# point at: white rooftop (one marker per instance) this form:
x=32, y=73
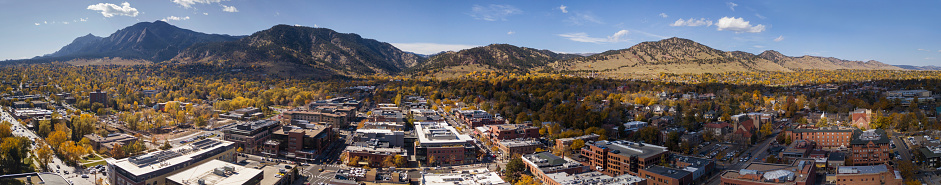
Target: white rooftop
x=439, y=133
x=476, y=177
x=593, y=178
x=180, y=155
x=206, y=172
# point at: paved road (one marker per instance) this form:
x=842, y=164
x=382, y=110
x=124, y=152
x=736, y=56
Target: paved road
x=901, y=146
x=57, y=164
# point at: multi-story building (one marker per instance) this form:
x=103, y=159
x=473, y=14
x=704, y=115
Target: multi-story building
x=659, y=175
x=439, y=143
x=372, y=153
x=217, y=172
x=98, y=97
x=512, y=131
x=389, y=137
x=931, y=154
x=248, y=113
x=155, y=167
x=797, y=149
x=338, y=101
x=593, y=178
x=825, y=137
x=395, y=126
x=300, y=144
x=799, y=172
x=717, y=129
x=518, y=147
x=477, y=118
x=250, y=136
x=616, y=158
x=870, y=147
x=907, y=96
x=565, y=143
x=386, y=115
x=882, y=174
x=633, y=126
x=338, y=119
x=699, y=167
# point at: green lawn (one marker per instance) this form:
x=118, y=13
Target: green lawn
x=93, y=158
x=95, y=164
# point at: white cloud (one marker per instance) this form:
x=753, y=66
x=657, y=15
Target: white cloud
x=692, y=22
x=563, y=8
x=430, y=48
x=758, y=46
x=582, y=18
x=510, y=33
x=919, y=49
x=175, y=18
x=44, y=22
x=190, y=3
x=731, y=5
x=619, y=36
x=738, y=25
x=760, y=16
x=37, y=24
x=204, y=13
x=929, y=58
x=779, y=39
x=664, y=15
x=110, y=10
x=83, y=19
x=939, y=51
x=229, y=9
x=493, y=12
x=66, y=22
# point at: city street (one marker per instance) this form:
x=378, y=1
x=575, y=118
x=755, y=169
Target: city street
x=57, y=164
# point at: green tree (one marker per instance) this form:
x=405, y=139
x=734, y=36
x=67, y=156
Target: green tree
x=514, y=168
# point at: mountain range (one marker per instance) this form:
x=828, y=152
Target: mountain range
x=296, y=51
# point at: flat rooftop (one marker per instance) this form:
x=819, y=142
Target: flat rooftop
x=669, y=172
x=158, y=160
x=861, y=169
x=232, y=174
x=480, y=176
x=593, y=178
x=546, y=161
x=761, y=170
x=439, y=133
x=519, y=143
x=627, y=148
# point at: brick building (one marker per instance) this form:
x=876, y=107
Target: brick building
x=566, y=143
x=658, y=175
x=616, y=158
x=250, y=136
x=540, y=164
x=799, y=172
x=439, y=143
x=870, y=147
x=866, y=175
x=825, y=137
x=518, y=146
x=861, y=118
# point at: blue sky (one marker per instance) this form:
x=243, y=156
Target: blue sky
x=893, y=32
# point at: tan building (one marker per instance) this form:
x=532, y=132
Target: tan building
x=155, y=167
x=565, y=143
x=518, y=147
x=866, y=175
x=658, y=175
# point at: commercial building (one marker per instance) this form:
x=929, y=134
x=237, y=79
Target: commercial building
x=106, y=143
x=154, y=167
x=518, y=147
x=338, y=101
x=699, y=167
x=861, y=118
x=395, y=126
x=217, y=172
x=633, y=126
x=372, y=154
x=566, y=143
x=473, y=177
x=389, y=137
x=543, y=163
x=825, y=137
x=477, y=118
x=300, y=144
x=866, y=175
x=931, y=154
x=907, y=96
x=512, y=131
x=386, y=115
x=616, y=158
x=594, y=178
x=870, y=147
x=797, y=149
x=338, y=119
x=251, y=136
x=439, y=143
x=248, y=113
x=800, y=172
x=658, y=175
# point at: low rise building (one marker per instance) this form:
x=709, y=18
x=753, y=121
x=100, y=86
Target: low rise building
x=473, y=177
x=248, y=113
x=658, y=175
x=797, y=149
x=389, y=137
x=106, y=143
x=299, y=144
x=518, y=147
x=372, y=154
x=633, y=126
x=799, y=172
x=513, y=131
x=543, y=163
x=931, y=154
x=825, y=138
x=338, y=119
x=616, y=158
x=154, y=167
x=870, y=147
x=857, y=175
x=593, y=178
x=217, y=172
x=566, y=143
